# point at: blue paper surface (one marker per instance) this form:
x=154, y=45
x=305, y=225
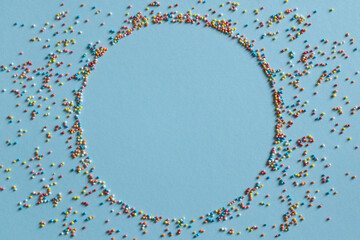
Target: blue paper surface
x=179, y=120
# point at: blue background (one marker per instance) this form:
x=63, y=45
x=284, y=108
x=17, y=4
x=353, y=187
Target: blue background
x=179, y=120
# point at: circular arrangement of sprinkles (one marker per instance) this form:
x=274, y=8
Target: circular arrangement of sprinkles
x=33, y=92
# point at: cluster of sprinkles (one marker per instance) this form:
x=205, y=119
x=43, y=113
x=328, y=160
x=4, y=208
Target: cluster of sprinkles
x=42, y=82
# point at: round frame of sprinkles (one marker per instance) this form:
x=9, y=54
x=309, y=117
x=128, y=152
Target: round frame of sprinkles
x=140, y=21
